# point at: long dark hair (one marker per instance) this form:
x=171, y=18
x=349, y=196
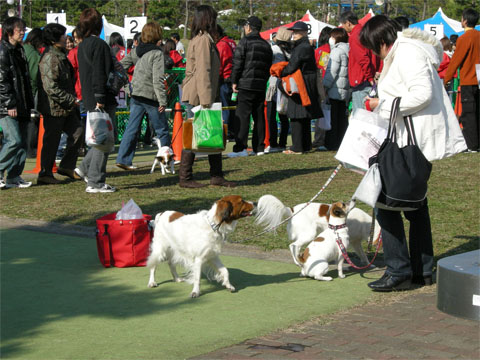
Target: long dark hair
x=204, y=20
x=35, y=38
x=324, y=35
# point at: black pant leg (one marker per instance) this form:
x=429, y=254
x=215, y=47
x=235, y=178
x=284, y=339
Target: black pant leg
x=470, y=117
x=74, y=130
x=242, y=120
x=53, y=126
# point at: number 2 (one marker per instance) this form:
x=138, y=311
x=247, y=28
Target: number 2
x=132, y=30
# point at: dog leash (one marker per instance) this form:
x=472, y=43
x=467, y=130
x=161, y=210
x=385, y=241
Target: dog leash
x=335, y=172
x=347, y=258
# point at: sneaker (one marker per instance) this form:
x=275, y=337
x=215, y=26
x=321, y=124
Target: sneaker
x=19, y=183
x=267, y=149
x=238, y=154
x=260, y=153
x=80, y=174
x=2, y=183
x=126, y=167
x=275, y=149
x=68, y=173
x=104, y=189
x=322, y=148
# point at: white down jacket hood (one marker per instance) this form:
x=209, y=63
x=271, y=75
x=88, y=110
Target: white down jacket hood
x=410, y=72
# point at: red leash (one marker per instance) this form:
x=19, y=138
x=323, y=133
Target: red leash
x=345, y=254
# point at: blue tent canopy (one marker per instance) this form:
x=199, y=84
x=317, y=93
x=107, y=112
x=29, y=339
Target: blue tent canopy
x=437, y=19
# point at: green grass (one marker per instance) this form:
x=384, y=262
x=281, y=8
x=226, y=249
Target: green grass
x=58, y=302
x=453, y=194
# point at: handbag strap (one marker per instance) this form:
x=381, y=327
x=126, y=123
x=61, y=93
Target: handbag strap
x=392, y=128
x=392, y=133
x=106, y=245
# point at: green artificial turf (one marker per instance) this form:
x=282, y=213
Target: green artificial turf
x=58, y=302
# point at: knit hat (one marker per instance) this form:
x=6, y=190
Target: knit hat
x=283, y=34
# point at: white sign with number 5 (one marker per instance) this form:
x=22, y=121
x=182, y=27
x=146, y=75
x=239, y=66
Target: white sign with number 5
x=133, y=25
x=434, y=29
x=58, y=18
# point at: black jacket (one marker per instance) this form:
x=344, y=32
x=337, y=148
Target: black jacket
x=251, y=63
x=15, y=86
x=94, y=64
x=303, y=58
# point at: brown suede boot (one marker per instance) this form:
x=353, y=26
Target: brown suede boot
x=220, y=181
x=185, y=171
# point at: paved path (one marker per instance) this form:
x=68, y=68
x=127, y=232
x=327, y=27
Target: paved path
x=407, y=328
x=403, y=325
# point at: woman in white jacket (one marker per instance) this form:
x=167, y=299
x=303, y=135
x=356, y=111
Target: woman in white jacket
x=337, y=86
x=411, y=59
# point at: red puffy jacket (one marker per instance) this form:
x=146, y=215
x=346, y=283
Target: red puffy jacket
x=226, y=48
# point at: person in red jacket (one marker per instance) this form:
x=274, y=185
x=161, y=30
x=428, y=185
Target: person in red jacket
x=322, y=53
x=447, y=54
x=226, y=47
x=362, y=63
x=73, y=58
x=467, y=58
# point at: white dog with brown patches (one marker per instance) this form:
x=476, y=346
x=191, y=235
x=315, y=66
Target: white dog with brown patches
x=324, y=249
x=303, y=227
x=195, y=241
x=164, y=158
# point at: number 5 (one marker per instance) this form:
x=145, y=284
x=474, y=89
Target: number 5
x=433, y=29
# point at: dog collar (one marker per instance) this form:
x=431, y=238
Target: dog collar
x=214, y=226
x=337, y=227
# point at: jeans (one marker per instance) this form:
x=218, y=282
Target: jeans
x=14, y=150
x=129, y=140
x=358, y=95
x=94, y=164
x=398, y=260
x=227, y=115
x=250, y=103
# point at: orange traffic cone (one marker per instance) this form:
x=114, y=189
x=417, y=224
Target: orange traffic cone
x=267, y=129
x=177, y=134
x=38, y=164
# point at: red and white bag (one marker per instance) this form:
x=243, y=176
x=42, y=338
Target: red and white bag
x=123, y=243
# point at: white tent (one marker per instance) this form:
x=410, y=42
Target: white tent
x=108, y=29
x=315, y=26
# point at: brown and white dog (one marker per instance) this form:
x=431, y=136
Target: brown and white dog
x=304, y=227
x=195, y=241
x=324, y=249
x=164, y=157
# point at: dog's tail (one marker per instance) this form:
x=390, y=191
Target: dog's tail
x=271, y=211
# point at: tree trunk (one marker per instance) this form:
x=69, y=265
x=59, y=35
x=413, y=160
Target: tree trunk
x=186, y=20
x=424, y=9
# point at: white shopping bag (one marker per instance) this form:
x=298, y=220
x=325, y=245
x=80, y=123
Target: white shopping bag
x=369, y=188
x=365, y=134
x=99, y=131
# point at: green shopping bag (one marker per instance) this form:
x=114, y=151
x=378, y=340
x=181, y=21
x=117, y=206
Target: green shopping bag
x=208, y=129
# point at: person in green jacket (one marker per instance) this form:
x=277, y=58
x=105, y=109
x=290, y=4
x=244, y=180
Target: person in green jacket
x=32, y=46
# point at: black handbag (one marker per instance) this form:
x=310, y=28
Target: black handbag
x=404, y=172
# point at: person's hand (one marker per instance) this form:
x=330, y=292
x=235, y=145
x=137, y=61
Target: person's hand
x=12, y=112
x=100, y=106
x=206, y=106
x=161, y=109
x=371, y=103
x=234, y=87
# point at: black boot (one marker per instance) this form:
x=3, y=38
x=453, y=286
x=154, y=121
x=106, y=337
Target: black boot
x=216, y=172
x=185, y=172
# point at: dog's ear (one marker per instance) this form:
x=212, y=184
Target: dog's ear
x=224, y=210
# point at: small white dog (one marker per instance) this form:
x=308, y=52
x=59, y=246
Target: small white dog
x=195, y=241
x=312, y=220
x=164, y=157
x=324, y=249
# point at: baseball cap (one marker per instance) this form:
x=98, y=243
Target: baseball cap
x=299, y=26
x=254, y=22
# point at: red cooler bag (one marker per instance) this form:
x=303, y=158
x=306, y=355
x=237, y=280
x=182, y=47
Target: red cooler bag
x=123, y=243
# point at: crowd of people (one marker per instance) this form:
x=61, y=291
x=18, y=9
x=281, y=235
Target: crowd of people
x=61, y=76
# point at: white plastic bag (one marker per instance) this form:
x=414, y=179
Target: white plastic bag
x=282, y=102
x=129, y=211
x=99, y=131
x=363, y=138
x=369, y=188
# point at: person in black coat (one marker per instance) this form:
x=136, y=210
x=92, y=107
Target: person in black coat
x=302, y=58
x=16, y=101
x=251, y=69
